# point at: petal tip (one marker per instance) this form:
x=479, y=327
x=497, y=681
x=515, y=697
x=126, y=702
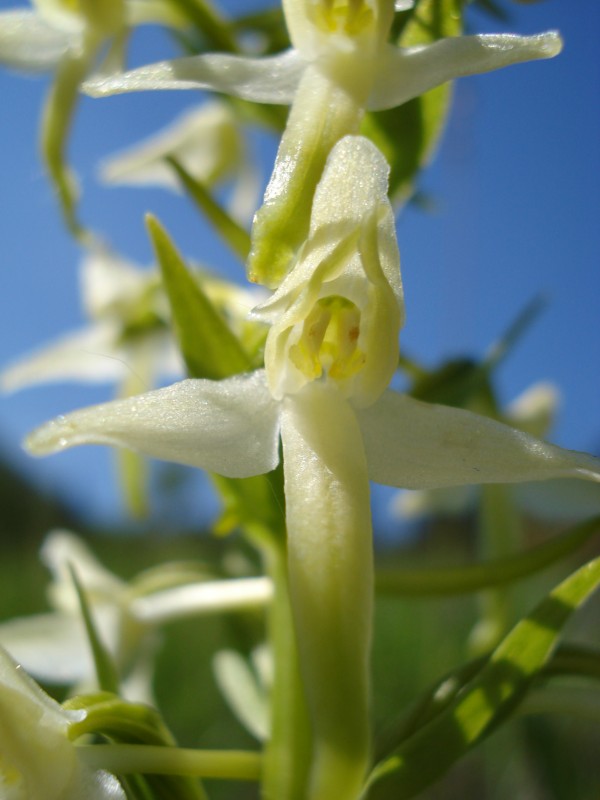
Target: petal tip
x=551, y=44
x=47, y=439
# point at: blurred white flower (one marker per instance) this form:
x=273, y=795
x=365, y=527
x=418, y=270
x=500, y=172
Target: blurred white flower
x=127, y=340
x=68, y=37
x=37, y=758
x=208, y=143
x=53, y=647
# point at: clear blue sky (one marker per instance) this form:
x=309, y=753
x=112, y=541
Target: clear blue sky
x=516, y=189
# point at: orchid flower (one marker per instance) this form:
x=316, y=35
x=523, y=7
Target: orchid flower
x=37, y=758
x=66, y=37
x=330, y=354
x=126, y=341
x=53, y=647
x=340, y=65
x=207, y=142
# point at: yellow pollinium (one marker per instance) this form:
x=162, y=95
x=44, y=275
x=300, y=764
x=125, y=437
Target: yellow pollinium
x=350, y=17
x=329, y=341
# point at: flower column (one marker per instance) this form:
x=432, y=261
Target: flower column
x=333, y=344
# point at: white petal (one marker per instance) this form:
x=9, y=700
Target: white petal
x=534, y=411
x=51, y=647
x=206, y=141
x=90, y=354
x=208, y=597
x=407, y=73
x=230, y=427
x=418, y=445
x=244, y=695
x=272, y=79
x=62, y=551
x=111, y=285
x=28, y=42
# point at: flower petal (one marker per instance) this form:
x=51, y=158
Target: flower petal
x=230, y=427
x=27, y=42
x=206, y=140
x=408, y=73
x=90, y=354
x=417, y=445
x=208, y=597
x=51, y=647
x=271, y=79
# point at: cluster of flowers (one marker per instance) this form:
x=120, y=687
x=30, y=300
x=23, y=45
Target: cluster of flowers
x=324, y=243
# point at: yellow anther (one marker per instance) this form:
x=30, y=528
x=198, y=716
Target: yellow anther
x=329, y=339
x=350, y=17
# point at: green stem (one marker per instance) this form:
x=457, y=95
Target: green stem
x=238, y=765
x=577, y=701
x=287, y=755
x=499, y=532
x=233, y=234
x=56, y=124
x=475, y=577
x=207, y=19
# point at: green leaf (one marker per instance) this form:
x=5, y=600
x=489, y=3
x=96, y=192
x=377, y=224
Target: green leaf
x=408, y=135
x=568, y=661
x=487, y=699
x=234, y=235
x=209, y=347
x=106, y=672
x=475, y=577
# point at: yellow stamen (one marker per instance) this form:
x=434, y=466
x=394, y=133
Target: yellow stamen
x=350, y=17
x=328, y=342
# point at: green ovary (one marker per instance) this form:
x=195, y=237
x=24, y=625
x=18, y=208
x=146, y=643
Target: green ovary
x=329, y=341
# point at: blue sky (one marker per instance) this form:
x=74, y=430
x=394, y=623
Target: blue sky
x=515, y=187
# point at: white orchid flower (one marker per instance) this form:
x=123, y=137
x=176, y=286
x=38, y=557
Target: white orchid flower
x=36, y=39
x=330, y=355
x=340, y=64
x=67, y=37
x=54, y=647
x=208, y=143
x=127, y=340
x=37, y=758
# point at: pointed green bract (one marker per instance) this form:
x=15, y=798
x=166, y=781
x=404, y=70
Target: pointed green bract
x=106, y=671
x=209, y=347
x=492, y=694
